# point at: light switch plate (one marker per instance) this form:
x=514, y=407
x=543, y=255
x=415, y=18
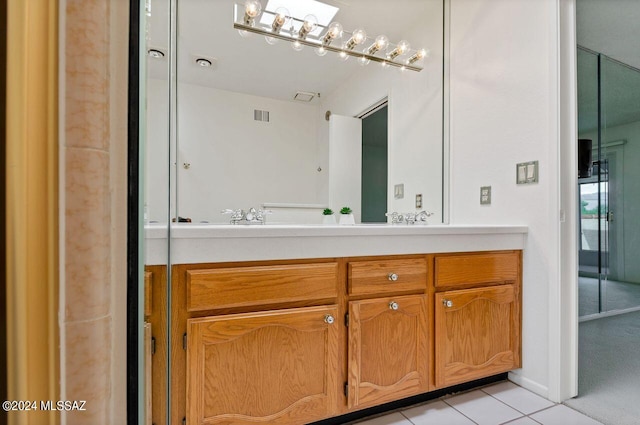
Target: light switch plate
x=398, y=191
x=527, y=172
x=485, y=195
x=419, y=201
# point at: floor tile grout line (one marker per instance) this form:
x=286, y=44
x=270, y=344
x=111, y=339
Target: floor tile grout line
x=453, y=407
x=407, y=418
x=515, y=408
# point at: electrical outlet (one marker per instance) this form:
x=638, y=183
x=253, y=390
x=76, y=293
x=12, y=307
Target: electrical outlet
x=398, y=191
x=419, y=201
x=485, y=195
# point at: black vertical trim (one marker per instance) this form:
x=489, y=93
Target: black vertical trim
x=133, y=197
x=3, y=203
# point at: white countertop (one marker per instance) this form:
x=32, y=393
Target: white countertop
x=206, y=243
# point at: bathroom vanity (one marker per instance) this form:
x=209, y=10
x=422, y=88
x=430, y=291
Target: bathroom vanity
x=293, y=324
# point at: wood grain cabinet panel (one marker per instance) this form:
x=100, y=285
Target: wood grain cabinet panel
x=387, y=276
x=210, y=289
x=481, y=268
x=277, y=367
x=477, y=333
x=388, y=349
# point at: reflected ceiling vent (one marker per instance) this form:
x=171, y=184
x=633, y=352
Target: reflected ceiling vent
x=304, y=96
x=259, y=115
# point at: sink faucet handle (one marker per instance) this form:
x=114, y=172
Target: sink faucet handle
x=395, y=217
x=261, y=215
x=422, y=215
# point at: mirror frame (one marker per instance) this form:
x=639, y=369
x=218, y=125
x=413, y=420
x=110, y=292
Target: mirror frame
x=134, y=228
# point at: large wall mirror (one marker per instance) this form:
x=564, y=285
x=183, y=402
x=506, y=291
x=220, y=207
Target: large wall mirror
x=236, y=115
x=260, y=124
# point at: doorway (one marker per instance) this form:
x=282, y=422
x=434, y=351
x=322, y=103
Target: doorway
x=375, y=160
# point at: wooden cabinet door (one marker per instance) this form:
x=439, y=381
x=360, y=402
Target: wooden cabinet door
x=477, y=333
x=388, y=349
x=277, y=367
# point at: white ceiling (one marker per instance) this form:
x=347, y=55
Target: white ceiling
x=250, y=65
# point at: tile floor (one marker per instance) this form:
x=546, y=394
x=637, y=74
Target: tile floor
x=501, y=403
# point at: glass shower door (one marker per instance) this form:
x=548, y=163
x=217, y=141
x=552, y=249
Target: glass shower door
x=609, y=116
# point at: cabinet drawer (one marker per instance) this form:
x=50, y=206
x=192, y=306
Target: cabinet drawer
x=470, y=269
x=386, y=276
x=260, y=285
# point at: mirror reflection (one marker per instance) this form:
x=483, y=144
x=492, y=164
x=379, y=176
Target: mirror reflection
x=268, y=123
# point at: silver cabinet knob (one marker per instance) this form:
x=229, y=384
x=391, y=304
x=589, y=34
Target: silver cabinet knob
x=392, y=277
x=447, y=303
x=393, y=305
x=328, y=319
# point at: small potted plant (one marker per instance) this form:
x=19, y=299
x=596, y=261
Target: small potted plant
x=327, y=217
x=346, y=216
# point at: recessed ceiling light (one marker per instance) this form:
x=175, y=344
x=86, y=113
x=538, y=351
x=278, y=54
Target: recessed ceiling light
x=205, y=63
x=155, y=53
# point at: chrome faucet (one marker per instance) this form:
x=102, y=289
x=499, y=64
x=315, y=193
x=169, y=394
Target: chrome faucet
x=251, y=216
x=409, y=218
x=423, y=215
x=236, y=215
x=396, y=218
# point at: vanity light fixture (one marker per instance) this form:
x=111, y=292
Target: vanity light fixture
x=401, y=49
x=420, y=54
x=309, y=24
x=280, y=25
x=357, y=37
x=252, y=8
x=280, y=19
x=334, y=31
x=381, y=43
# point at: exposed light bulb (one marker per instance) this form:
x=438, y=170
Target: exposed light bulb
x=420, y=54
x=333, y=31
x=381, y=43
x=357, y=37
x=401, y=49
x=321, y=51
x=252, y=8
x=384, y=64
x=281, y=18
x=343, y=56
x=297, y=46
x=310, y=23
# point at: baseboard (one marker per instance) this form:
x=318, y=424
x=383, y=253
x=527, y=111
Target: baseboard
x=529, y=384
x=607, y=314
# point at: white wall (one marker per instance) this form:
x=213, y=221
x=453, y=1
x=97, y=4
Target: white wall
x=415, y=116
x=237, y=162
x=504, y=110
x=156, y=175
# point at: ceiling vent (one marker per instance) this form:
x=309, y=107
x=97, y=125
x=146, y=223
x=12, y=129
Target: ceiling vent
x=304, y=96
x=259, y=115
